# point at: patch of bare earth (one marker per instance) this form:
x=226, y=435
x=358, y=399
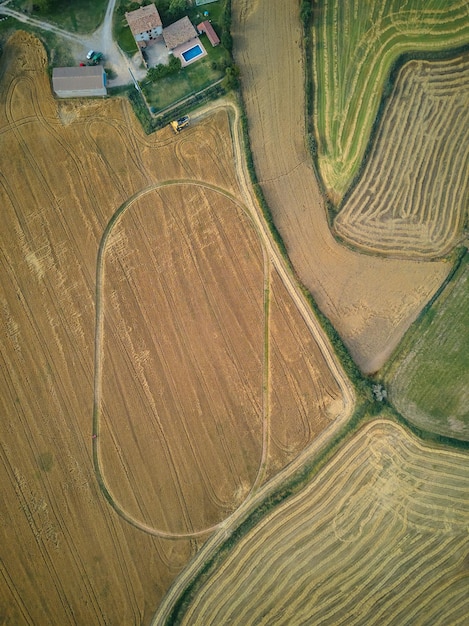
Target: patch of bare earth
x=371, y=301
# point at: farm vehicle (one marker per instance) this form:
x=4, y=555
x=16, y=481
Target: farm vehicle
x=93, y=58
x=178, y=125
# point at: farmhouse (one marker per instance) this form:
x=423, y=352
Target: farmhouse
x=74, y=82
x=207, y=28
x=145, y=24
x=182, y=41
x=179, y=33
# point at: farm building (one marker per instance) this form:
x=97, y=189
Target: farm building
x=179, y=33
x=182, y=41
x=145, y=24
x=207, y=28
x=74, y=82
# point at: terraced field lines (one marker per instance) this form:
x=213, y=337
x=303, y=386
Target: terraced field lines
x=385, y=522
x=411, y=199
x=355, y=48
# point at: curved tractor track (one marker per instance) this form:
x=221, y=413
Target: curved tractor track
x=98, y=367
x=271, y=255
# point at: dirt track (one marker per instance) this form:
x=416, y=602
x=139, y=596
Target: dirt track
x=371, y=301
x=101, y=39
x=297, y=298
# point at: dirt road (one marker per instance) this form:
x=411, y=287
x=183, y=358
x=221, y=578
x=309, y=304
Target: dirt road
x=370, y=300
x=101, y=40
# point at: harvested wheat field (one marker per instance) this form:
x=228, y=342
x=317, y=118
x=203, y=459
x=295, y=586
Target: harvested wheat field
x=411, y=199
x=196, y=338
x=355, y=46
x=379, y=536
x=370, y=301
x=95, y=228
x=183, y=348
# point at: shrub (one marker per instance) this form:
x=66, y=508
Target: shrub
x=160, y=71
x=231, y=80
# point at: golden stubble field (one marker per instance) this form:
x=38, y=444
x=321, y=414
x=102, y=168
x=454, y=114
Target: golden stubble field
x=206, y=380
x=378, y=536
x=371, y=301
x=411, y=200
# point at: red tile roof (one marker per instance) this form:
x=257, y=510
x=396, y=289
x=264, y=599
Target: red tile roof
x=207, y=28
x=178, y=33
x=143, y=19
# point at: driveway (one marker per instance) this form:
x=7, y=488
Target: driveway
x=101, y=39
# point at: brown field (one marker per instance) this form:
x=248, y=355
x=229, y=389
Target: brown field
x=66, y=168
x=182, y=372
x=379, y=536
x=370, y=301
x=412, y=197
x=193, y=334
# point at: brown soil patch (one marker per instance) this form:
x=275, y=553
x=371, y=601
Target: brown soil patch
x=65, y=168
x=371, y=301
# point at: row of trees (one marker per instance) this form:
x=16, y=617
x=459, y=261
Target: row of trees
x=169, y=10
x=44, y=6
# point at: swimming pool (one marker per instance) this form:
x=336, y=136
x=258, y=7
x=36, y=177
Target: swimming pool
x=192, y=53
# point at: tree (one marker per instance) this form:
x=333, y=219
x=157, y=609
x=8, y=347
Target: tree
x=231, y=80
x=177, y=9
x=42, y=6
x=227, y=41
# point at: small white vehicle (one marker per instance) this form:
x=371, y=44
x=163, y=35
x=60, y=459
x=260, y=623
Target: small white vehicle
x=90, y=54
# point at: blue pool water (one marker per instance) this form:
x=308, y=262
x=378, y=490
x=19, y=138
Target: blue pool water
x=192, y=53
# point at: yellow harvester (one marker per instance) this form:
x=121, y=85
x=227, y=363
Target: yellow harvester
x=178, y=125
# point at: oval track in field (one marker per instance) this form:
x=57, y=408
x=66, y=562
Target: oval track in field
x=172, y=354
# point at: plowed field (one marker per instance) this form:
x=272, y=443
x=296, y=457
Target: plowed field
x=137, y=303
x=370, y=301
x=378, y=537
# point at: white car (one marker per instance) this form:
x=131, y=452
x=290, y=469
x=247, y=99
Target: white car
x=90, y=54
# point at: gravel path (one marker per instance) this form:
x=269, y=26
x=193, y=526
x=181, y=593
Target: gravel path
x=101, y=40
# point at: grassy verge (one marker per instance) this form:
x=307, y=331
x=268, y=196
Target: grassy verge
x=151, y=124
x=188, y=80
x=79, y=16
x=427, y=376
x=120, y=29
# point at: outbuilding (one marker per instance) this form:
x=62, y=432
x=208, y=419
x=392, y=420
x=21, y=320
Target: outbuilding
x=207, y=28
x=75, y=82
